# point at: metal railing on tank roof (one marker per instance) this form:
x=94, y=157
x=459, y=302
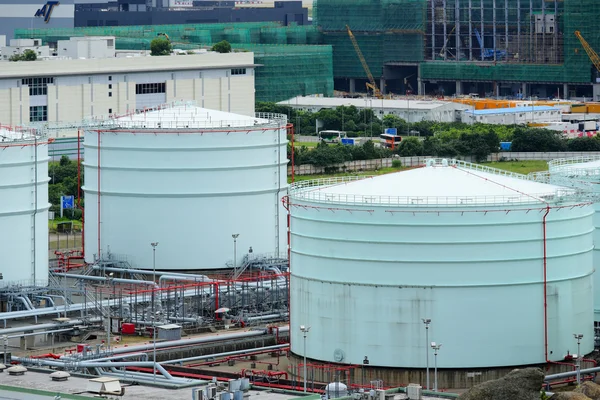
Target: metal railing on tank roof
x=311, y=191
x=571, y=167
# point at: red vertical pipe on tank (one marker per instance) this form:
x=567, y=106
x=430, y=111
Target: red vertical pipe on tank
x=98, y=133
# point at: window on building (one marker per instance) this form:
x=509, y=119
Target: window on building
x=38, y=113
x=110, y=110
x=149, y=88
x=110, y=86
x=110, y=78
x=238, y=71
x=109, y=94
x=37, y=86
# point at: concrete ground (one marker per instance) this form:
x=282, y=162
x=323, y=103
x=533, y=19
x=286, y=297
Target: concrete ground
x=78, y=386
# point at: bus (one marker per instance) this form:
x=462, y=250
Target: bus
x=389, y=140
x=332, y=136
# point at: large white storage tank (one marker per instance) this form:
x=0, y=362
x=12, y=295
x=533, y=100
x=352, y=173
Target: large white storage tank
x=583, y=173
x=188, y=178
x=500, y=264
x=23, y=207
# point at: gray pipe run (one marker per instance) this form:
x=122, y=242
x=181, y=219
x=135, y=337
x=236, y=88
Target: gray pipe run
x=139, y=271
x=93, y=364
x=50, y=300
x=40, y=333
x=103, y=279
x=47, y=326
x=144, y=357
x=265, y=317
x=229, y=353
x=189, y=342
x=188, y=278
x=553, y=377
x=25, y=303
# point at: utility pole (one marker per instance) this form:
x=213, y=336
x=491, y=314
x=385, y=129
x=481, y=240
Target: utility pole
x=154, y=244
x=427, y=321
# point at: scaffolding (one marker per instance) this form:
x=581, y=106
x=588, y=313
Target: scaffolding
x=386, y=31
x=291, y=70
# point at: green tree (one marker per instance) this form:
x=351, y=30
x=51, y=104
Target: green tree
x=584, y=144
x=222, y=47
x=411, y=146
x=27, y=55
x=160, y=47
x=533, y=139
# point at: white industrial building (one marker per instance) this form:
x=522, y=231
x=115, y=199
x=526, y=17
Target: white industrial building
x=407, y=109
x=71, y=90
x=18, y=47
x=87, y=47
x=23, y=207
x=514, y=115
x=190, y=179
x=471, y=249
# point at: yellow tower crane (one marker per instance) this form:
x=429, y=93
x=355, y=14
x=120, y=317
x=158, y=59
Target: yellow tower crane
x=371, y=84
x=588, y=49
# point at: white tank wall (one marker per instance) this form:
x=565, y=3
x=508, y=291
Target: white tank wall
x=189, y=192
x=23, y=226
x=577, y=172
x=364, y=280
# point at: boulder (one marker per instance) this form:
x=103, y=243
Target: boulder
x=590, y=389
x=521, y=384
x=569, y=396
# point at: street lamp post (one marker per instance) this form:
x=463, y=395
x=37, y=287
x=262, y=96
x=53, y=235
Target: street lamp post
x=427, y=321
x=304, y=330
x=235, y=236
x=578, y=336
x=435, y=346
x=153, y=244
x=109, y=282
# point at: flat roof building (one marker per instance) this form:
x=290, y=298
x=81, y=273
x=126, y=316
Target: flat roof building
x=407, y=109
x=73, y=90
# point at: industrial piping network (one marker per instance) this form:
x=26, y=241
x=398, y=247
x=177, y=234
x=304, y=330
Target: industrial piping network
x=280, y=282
x=135, y=351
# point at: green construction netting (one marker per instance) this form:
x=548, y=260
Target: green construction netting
x=291, y=70
x=287, y=70
x=386, y=31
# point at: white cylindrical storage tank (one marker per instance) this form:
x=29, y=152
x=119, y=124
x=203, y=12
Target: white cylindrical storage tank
x=23, y=207
x=190, y=179
x=583, y=173
x=502, y=266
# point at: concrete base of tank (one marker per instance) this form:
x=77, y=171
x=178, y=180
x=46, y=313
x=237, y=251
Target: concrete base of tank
x=318, y=371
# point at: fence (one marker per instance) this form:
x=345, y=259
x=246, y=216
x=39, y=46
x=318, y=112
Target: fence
x=371, y=165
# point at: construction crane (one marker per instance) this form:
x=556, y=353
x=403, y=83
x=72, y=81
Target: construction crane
x=165, y=35
x=588, y=49
x=371, y=84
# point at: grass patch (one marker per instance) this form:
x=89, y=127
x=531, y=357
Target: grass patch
x=310, y=145
x=53, y=223
x=521, y=167
x=380, y=171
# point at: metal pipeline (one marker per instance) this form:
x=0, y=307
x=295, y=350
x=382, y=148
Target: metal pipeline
x=229, y=353
x=189, y=342
x=144, y=357
x=40, y=333
x=552, y=377
x=25, y=303
x=188, y=278
x=103, y=279
x=50, y=300
x=47, y=326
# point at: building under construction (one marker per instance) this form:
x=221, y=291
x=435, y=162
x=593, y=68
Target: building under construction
x=516, y=48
